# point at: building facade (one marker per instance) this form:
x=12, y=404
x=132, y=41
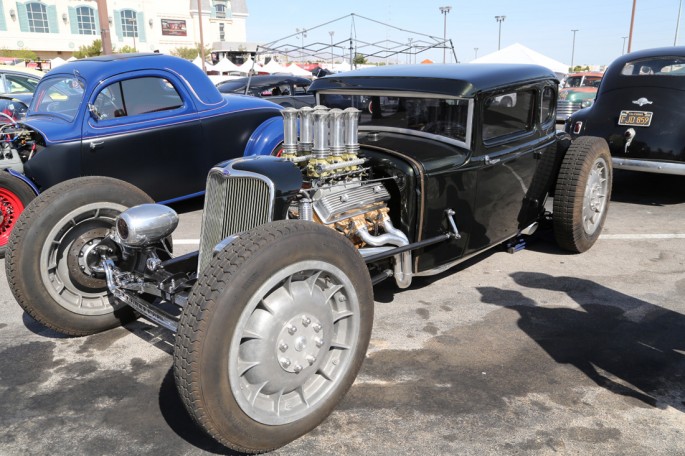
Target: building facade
x=54, y=28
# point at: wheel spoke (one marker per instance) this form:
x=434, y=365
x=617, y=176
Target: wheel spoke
x=340, y=315
x=331, y=291
x=340, y=346
x=311, y=281
x=244, y=366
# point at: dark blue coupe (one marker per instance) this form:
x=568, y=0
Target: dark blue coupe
x=149, y=119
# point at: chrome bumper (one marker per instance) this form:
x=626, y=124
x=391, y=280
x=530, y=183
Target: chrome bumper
x=649, y=166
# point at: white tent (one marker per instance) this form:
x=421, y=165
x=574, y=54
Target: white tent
x=57, y=61
x=198, y=62
x=274, y=67
x=225, y=65
x=518, y=53
x=71, y=59
x=296, y=70
x=248, y=65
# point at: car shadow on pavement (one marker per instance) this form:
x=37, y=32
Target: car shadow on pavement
x=626, y=345
x=648, y=189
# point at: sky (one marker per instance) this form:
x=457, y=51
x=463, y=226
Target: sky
x=542, y=25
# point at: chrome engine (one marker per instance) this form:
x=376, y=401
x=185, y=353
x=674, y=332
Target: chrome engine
x=338, y=191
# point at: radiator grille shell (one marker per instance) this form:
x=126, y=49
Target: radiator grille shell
x=235, y=201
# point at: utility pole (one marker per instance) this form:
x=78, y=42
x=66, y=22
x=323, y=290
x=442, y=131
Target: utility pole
x=202, y=40
x=105, y=36
x=444, y=10
x=573, y=47
x=500, y=19
x=632, y=22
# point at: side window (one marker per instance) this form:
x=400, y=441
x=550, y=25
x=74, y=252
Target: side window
x=21, y=84
x=547, y=106
x=508, y=114
x=150, y=94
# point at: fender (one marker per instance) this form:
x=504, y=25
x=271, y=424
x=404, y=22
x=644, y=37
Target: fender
x=22, y=177
x=266, y=138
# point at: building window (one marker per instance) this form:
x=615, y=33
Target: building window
x=220, y=10
x=129, y=23
x=38, y=18
x=86, y=20
x=222, y=32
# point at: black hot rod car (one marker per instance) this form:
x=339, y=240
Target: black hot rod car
x=273, y=314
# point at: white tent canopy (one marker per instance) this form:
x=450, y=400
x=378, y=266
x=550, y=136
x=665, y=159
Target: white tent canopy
x=248, y=65
x=518, y=53
x=57, y=61
x=298, y=71
x=198, y=62
x=225, y=65
x=274, y=67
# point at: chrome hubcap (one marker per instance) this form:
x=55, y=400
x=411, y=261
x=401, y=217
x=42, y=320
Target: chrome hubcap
x=595, y=198
x=294, y=342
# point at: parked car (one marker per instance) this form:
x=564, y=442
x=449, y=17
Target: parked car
x=16, y=80
x=153, y=120
x=577, y=92
x=639, y=111
x=273, y=314
x=286, y=90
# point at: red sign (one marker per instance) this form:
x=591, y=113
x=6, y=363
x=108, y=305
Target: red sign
x=174, y=27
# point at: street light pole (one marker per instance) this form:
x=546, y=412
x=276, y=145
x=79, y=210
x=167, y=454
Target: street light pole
x=573, y=47
x=500, y=19
x=411, y=49
x=444, y=10
x=303, y=35
x=623, y=49
x=677, y=24
x=331, y=33
x=134, y=30
x=476, y=51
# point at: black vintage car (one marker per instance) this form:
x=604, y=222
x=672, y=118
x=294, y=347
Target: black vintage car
x=638, y=111
x=273, y=314
x=285, y=90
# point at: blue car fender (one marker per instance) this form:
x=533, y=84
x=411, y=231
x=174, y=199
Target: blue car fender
x=22, y=177
x=266, y=138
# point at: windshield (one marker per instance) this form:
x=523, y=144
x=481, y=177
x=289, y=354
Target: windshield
x=445, y=117
x=59, y=95
x=582, y=81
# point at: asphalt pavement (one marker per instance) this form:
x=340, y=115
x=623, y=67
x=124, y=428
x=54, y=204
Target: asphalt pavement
x=536, y=353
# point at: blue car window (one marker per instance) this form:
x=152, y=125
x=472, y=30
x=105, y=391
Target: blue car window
x=149, y=94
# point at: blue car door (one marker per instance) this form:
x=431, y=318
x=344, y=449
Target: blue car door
x=142, y=128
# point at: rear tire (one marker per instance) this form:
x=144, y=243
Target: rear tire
x=15, y=195
x=51, y=269
x=582, y=194
x=273, y=335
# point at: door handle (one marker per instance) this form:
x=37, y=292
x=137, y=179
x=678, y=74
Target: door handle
x=490, y=161
x=96, y=144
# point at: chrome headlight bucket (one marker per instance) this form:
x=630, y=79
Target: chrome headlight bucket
x=145, y=224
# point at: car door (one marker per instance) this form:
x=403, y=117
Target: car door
x=511, y=145
x=143, y=128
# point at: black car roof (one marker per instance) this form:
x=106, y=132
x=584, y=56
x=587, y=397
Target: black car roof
x=462, y=80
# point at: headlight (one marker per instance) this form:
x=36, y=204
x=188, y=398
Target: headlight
x=587, y=103
x=145, y=224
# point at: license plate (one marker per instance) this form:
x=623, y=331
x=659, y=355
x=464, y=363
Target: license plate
x=635, y=118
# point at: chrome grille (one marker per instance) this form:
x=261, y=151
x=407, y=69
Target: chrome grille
x=566, y=108
x=234, y=202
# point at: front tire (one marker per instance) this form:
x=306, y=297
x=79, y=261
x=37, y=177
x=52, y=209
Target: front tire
x=51, y=267
x=274, y=334
x=582, y=194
